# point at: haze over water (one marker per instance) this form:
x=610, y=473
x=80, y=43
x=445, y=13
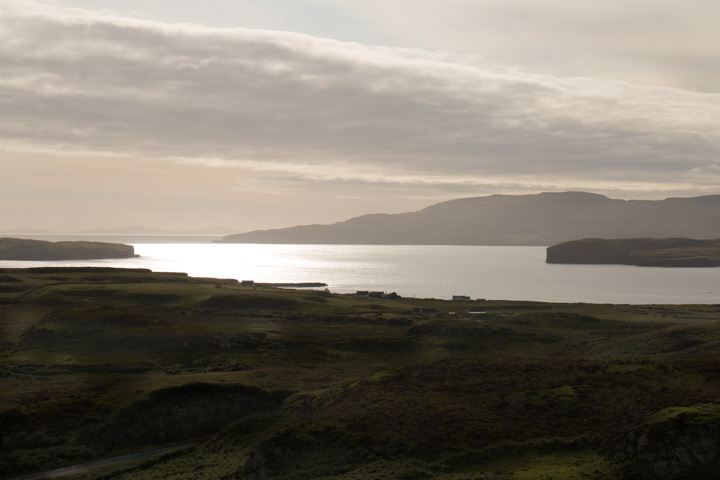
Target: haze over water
x=511, y=273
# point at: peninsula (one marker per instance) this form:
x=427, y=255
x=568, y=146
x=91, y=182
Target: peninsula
x=40, y=250
x=642, y=252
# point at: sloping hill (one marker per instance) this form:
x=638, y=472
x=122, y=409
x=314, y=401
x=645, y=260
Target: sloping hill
x=643, y=252
x=24, y=249
x=540, y=219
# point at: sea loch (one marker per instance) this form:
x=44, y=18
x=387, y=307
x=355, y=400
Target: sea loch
x=510, y=273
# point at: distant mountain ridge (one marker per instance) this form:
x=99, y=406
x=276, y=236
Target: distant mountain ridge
x=133, y=230
x=140, y=230
x=538, y=219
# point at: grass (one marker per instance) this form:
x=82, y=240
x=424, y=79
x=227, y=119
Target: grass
x=98, y=362
x=695, y=414
x=559, y=465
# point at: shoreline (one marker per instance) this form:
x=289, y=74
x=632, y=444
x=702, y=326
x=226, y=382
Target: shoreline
x=515, y=273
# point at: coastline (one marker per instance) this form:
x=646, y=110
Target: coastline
x=512, y=273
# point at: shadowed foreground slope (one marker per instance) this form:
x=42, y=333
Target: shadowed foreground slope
x=308, y=385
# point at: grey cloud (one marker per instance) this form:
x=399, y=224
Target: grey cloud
x=712, y=169
x=657, y=42
x=77, y=81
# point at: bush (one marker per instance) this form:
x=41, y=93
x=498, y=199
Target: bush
x=38, y=439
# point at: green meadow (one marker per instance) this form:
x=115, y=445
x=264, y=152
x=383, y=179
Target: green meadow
x=262, y=382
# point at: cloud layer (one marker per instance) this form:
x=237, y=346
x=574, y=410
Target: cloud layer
x=300, y=110
x=656, y=42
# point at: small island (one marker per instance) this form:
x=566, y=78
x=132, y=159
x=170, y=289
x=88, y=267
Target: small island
x=641, y=252
x=41, y=250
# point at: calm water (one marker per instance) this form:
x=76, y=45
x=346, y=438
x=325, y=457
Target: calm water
x=511, y=273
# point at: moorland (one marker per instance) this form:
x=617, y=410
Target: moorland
x=261, y=382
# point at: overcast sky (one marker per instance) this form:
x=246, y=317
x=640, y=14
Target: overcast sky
x=182, y=114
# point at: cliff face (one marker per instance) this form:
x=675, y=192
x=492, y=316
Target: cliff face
x=22, y=249
x=644, y=252
x=672, y=450
x=541, y=219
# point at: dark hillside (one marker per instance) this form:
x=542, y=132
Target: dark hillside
x=541, y=219
x=644, y=252
x=23, y=249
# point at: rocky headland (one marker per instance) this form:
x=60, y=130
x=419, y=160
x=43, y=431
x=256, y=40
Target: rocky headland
x=642, y=252
x=40, y=250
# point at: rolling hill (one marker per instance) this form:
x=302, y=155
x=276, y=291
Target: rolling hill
x=538, y=219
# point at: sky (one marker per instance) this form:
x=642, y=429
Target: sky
x=180, y=114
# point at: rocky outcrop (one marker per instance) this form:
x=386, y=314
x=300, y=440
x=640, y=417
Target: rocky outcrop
x=270, y=456
x=183, y=412
x=673, y=451
x=40, y=250
x=643, y=252
x=320, y=451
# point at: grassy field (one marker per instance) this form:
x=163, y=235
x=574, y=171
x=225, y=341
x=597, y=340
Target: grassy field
x=292, y=384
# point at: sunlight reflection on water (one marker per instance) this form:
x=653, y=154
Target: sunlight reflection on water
x=512, y=273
